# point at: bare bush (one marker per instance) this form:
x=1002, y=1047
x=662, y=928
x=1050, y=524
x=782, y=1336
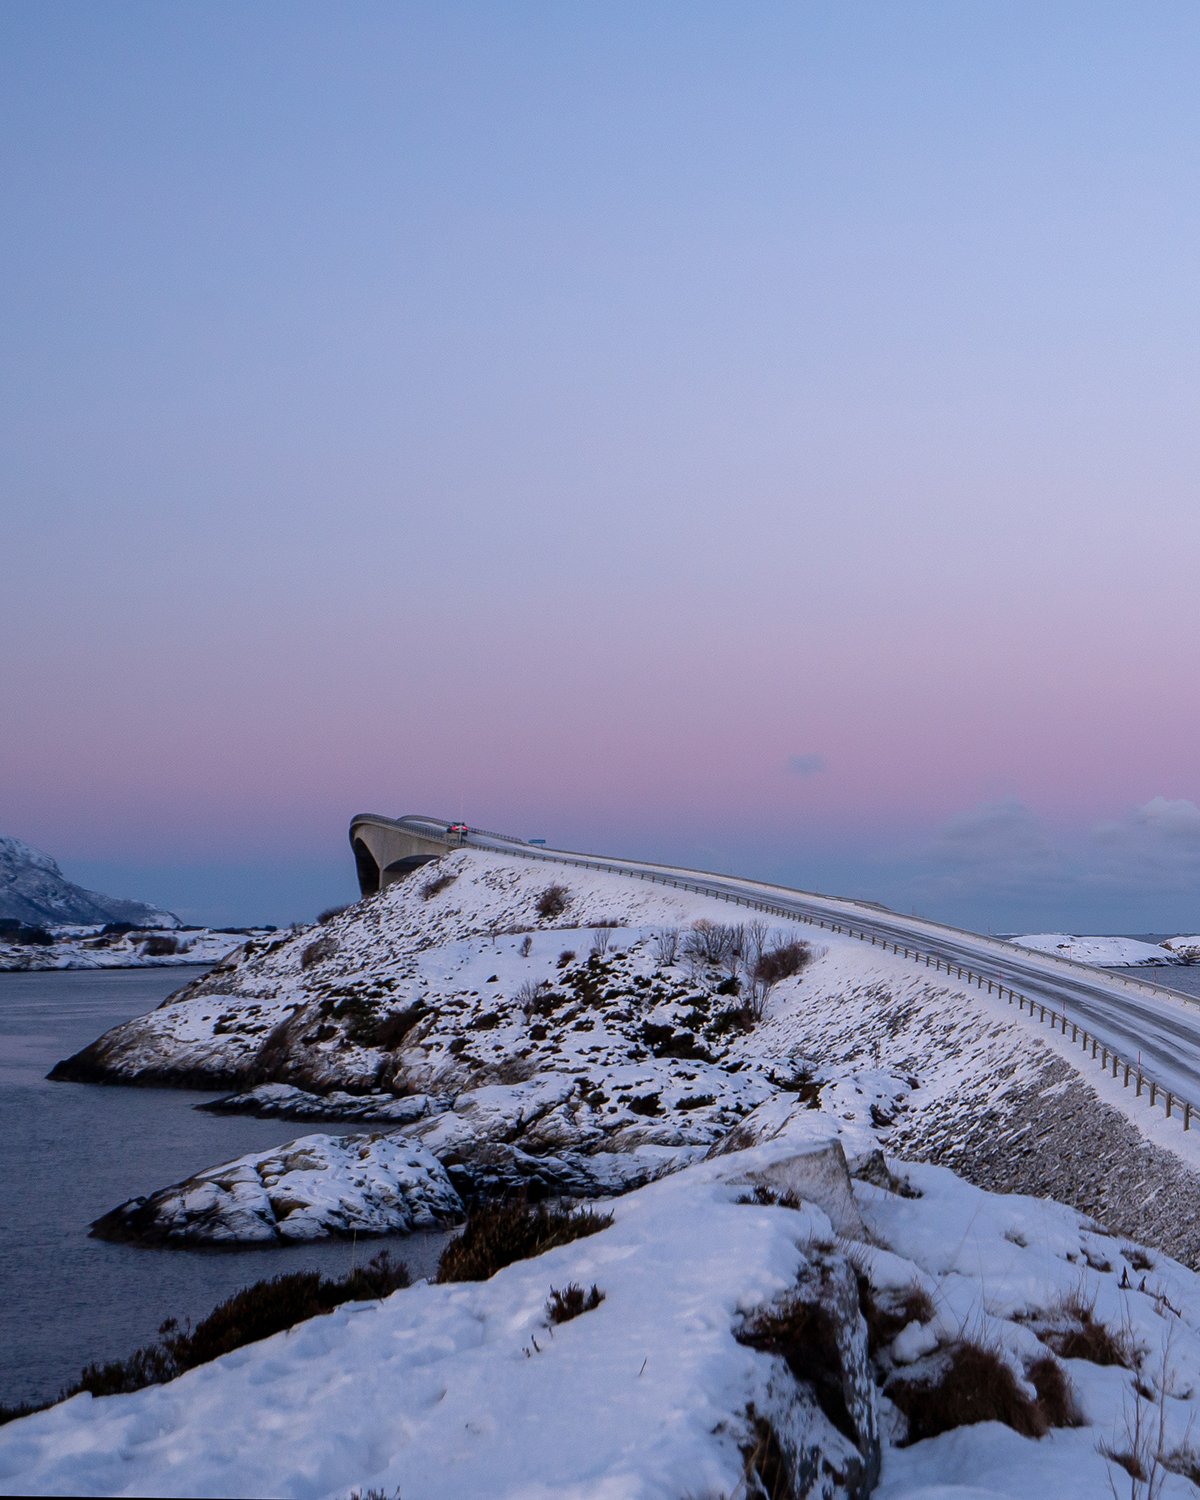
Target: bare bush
x=529, y=992
x=526, y=947
x=329, y=913
x=754, y=943
x=438, y=883
x=600, y=941
x=709, y=943
x=665, y=945
x=553, y=901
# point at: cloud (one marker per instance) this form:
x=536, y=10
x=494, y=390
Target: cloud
x=805, y=764
x=1004, y=853
x=1001, y=865
x=1178, y=819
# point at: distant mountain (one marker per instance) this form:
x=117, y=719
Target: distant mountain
x=34, y=890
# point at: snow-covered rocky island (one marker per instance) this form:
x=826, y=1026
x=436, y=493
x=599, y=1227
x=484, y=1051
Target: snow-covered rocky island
x=116, y=945
x=826, y=1258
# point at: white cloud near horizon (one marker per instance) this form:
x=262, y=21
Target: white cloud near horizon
x=1001, y=855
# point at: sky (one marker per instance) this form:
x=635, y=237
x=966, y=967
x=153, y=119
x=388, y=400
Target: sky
x=758, y=437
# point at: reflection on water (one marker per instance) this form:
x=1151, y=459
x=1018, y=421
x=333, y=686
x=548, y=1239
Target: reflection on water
x=69, y=1152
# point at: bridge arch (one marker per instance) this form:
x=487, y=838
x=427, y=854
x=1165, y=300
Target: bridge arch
x=389, y=849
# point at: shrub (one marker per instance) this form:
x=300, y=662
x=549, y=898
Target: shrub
x=601, y=938
x=499, y=1234
x=736, y=1018
x=566, y=957
x=526, y=947
x=781, y=962
x=553, y=901
x=571, y=1301
x=159, y=945
x=329, y=913
x=665, y=945
x=530, y=995
x=436, y=884
x=388, y=1031
x=317, y=952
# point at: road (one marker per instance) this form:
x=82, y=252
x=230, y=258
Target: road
x=1136, y=1019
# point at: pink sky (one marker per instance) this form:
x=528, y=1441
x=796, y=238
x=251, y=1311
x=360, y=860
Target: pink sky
x=571, y=418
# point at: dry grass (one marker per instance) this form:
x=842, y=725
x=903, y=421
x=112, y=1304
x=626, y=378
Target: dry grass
x=974, y=1384
x=499, y=1234
x=571, y=1301
x=1072, y=1330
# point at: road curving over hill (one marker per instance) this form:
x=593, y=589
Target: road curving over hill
x=1137, y=1027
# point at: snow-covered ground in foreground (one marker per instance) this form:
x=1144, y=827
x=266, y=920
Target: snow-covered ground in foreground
x=143, y=948
x=466, y=1390
x=1104, y=952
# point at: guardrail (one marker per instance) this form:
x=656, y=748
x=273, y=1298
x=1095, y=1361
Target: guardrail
x=1108, y=1057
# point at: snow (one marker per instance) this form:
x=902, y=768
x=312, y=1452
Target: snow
x=33, y=890
x=502, y=1051
x=444, y=1391
x=1105, y=952
x=316, y=1186
x=79, y=946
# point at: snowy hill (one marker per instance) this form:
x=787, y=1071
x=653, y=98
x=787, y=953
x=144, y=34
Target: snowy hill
x=794, y=1284
x=33, y=890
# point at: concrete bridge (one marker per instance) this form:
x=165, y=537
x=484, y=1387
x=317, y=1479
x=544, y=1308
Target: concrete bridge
x=388, y=849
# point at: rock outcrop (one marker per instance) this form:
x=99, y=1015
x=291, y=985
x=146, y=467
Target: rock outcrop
x=312, y=1188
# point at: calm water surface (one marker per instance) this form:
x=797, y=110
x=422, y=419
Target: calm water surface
x=69, y=1152
x=1184, y=979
